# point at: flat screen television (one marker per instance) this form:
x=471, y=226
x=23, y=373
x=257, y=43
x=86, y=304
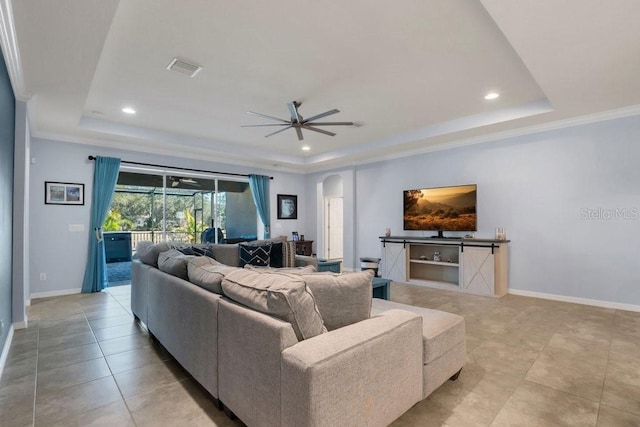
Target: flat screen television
x=441, y=209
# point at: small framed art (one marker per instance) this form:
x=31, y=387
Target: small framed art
x=63, y=193
x=287, y=206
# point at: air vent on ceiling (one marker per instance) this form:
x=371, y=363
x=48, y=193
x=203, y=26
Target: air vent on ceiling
x=182, y=66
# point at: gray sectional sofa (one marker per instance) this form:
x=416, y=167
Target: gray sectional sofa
x=288, y=347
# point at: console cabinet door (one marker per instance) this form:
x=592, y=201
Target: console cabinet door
x=394, y=262
x=478, y=272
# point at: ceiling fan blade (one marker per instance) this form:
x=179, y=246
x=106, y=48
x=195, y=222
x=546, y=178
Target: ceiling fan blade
x=299, y=132
x=278, y=131
x=272, y=124
x=268, y=117
x=326, y=132
x=330, y=124
x=294, y=112
x=321, y=115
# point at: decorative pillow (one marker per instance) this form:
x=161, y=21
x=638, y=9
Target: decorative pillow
x=184, y=249
x=207, y=273
x=255, y=255
x=277, y=254
x=175, y=263
x=342, y=299
x=289, y=254
x=284, y=296
x=277, y=250
x=148, y=252
x=203, y=250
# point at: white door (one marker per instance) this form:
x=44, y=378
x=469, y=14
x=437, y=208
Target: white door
x=333, y=227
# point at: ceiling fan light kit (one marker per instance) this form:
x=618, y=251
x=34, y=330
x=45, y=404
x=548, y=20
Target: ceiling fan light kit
x=298, y=122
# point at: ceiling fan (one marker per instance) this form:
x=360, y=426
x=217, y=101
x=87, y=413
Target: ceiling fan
x=298, y=123
x=176, y=181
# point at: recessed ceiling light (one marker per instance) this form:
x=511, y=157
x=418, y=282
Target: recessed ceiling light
x=306, y=148
x=491, y=95
x=128, y=110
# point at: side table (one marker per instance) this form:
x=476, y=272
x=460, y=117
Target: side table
x=303, y=247
x=381, y=288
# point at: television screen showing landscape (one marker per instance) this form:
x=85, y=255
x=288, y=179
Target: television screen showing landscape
x=444, y=208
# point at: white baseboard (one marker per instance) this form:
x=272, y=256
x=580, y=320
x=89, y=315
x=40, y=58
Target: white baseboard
x=54, y=293
x=576, y=300
x=5, y=349
x=19, y=325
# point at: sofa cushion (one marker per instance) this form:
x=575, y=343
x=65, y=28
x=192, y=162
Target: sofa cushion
x=148, y=251
x=255, y=255
x=228, y=254
x=174, y=262
x=343, y=299
x=284, y=296
x=441, y=331
x=207, y=273
x=307, y=269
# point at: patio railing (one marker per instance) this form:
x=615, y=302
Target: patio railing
x=156, y=237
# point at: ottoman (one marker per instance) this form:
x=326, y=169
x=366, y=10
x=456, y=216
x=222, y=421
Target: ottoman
x=444, y=345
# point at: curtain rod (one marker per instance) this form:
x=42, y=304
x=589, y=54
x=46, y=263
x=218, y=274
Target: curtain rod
x=179, y=168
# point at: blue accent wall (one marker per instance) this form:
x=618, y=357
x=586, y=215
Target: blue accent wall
x=7, y=132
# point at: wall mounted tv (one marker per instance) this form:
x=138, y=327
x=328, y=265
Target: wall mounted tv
x=441, y=209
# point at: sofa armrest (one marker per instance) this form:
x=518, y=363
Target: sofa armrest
x=368, y=373
x=250, y=352
x=303, y=260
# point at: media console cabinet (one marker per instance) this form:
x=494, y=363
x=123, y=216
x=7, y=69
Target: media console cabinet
x=477, y=266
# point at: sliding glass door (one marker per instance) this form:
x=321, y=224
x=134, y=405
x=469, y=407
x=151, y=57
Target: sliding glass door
x=186, y=208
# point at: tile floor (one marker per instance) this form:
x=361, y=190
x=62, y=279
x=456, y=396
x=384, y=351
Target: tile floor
x=531, y=362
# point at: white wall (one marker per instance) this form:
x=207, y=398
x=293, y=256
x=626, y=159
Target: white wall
x=61, y=254
x=21, y=190
x=537, y=188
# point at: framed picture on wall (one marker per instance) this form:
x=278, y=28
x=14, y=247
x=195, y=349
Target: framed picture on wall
x=63, y=193
x=294, y=236
x=287, y=206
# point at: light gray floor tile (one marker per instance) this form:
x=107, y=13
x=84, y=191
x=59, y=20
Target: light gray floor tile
x=118, y=331
x=127, y=343
x=61, y=343
x=108, y=322
x=101, y=314
x=610, y=417
x=68, y=356
x=64, y=330
x=112, y=415
x=621, y=396
x=19, y=368
x=176, y=404
x=66, y=403
x=129, y=360
x=71, y=375
x=574, y=380
x=553, y=406
x=149, y=378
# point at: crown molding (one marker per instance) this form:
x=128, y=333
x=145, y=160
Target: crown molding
x=9, y=42
x=165, y=150
x=587, y=119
